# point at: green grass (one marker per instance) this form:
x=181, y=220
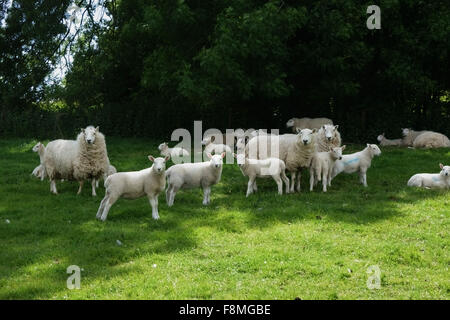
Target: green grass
x=307, y=245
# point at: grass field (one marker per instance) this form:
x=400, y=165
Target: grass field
x=307, y=245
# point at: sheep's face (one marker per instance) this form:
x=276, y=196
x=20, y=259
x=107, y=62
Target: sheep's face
x=240, y=144
x=216, y=160
x=374, y=149
x=240, y=159
x=445, y=171
x=89, y=134
x=380, y=137
x=159, y=164
x=163, y=146
x=290, y=123
x=405, y=131
x=305, y=136
x=207, y=140
x=336, y=152
x=37, y=147
x=330, y=131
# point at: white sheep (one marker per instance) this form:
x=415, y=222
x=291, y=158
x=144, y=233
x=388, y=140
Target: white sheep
x=385, y=142
x=270, y=167
x=194, y=175
x=174, y=152
x=431, y=139
x=82, y=159
x=321, y=168
x=307, y=123
x=357, y=162
x=409, y=136
x=432, y=180
x=295, y=150
x=327, y=136
x=39, y=171
x=214, y=148
x=149, y=182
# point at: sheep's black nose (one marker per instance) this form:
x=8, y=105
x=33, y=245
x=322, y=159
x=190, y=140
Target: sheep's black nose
x=340, y=158
x=305, y=141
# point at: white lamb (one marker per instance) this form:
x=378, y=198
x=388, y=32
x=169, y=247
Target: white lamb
x=409, y=136
x=322, y=165
x=149, y=182
x=357, y=162
x=83, y=159
x=385, y=142
x=432, y=180
x=307, y=123
x=328, y=136
x=271, y=167
x=215, y=148
x=172, y=152
x=431, y=139
x=194, y=175
x=39, y=171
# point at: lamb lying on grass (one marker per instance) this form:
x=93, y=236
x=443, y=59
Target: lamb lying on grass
x=174, y=153
x=194, y=175
x=39, y=171
x=213, y=148
x=385, y=142
x=133, y=185
x=432, y=180
x=271, y=167
x=431, y=139
x=357, y=162
x=322, y=164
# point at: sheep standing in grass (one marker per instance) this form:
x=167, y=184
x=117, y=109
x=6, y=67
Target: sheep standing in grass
x=431, y=140
x=432, y=180
x=307, y=123
x=357, y=162
x=215, y=148
x=385, y=142
x=322, y=164
x=328, y=137
x=172, y=152
x=39, y=171
x=409, y=136
x=149, y=182
x=271, y=167
x=83, y=159
x=194, y=175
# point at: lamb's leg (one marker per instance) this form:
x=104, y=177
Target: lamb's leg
x=154, y=203
x=93, y=184
x=293, y=175
x=206, y=191
x=168, y=194
x=279, y=183
x=324, y=181
x=53, y=187
x=102, y=206
x=250, y=186
x=81, y=187
x=311, y=179
x=255, y=187
x=361, y=177
x=285, y=180
x=298, y=181
x=329, y=177
x=364, y=177
x=97, y=182
x=108, y=205
x=172, y=193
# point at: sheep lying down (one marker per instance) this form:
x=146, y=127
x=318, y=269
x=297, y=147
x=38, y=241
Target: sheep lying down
x=439, y=180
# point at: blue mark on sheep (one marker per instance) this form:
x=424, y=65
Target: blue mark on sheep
x=351, y=161
x=435, y=179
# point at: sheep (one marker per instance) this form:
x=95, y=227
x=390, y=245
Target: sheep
x=39, y=171
x=295, y=150
x=328, y=136
x=192, y=175
x=136, y=184
x=409, y=136
x=270, y=167
x=82, y=159
x=384, y=142
x=431, y=140
x=228, y=139
x=432, y=180
x=307, y=123
x=357, y=162
x=216, y=148
x=321, y=168
x=174, y=153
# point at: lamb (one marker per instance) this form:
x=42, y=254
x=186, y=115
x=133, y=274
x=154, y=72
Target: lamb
x=295, y=150
x=322, y=165
x=136, y=184
x=431, y=139
x=384, y=142
x=432, y=180
x=228, y=139
x=82, y=159
x=328, y=136
x=215, y=148
x=409, y=136
x=357, y=162
x=39, y=171
x=307, y=123
x=270, y=167
x=174, y=153
x=192, y=175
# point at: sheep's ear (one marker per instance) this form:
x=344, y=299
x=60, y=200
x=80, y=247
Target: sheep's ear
x=166, y=158
x=336, y=127
x=209, y=155
x=223, y=154
x=151, y=158
x=97, y=129
x=234, y=155
x=314, y=130
x=213, y=138
x=298, y=130
x=343, y=147
x=441, y=165
x=82, y=130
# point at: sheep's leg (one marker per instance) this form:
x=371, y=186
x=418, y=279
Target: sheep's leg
x=364, y=178
x=329, y=178
x=298, y=180
x=154, y=203
x=311, y=179
x=102, y=206
x=255, y=187
x=293, y=175
x=206, y=191
x=108, y=205
x=361, y=177
x=324, y=181
x=96, y=183
x=250, y=186
x=93, y=184
x=285, y=180
x=81, y=187
x=279, y=183
x=53, y=187
x=172, y=192
x=168, y=194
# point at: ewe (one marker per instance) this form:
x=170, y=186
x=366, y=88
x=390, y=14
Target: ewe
x=307, y=123
x=328, y=136
x=82, y=159
x=385, y=142
x=431, y=139
x=357, y=162
x=271, y=167
x=136, y=184
x=432, y=180
x=322, y=165
x=193, y=175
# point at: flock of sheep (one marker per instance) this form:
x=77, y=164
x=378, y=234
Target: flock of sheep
x=315, y=145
